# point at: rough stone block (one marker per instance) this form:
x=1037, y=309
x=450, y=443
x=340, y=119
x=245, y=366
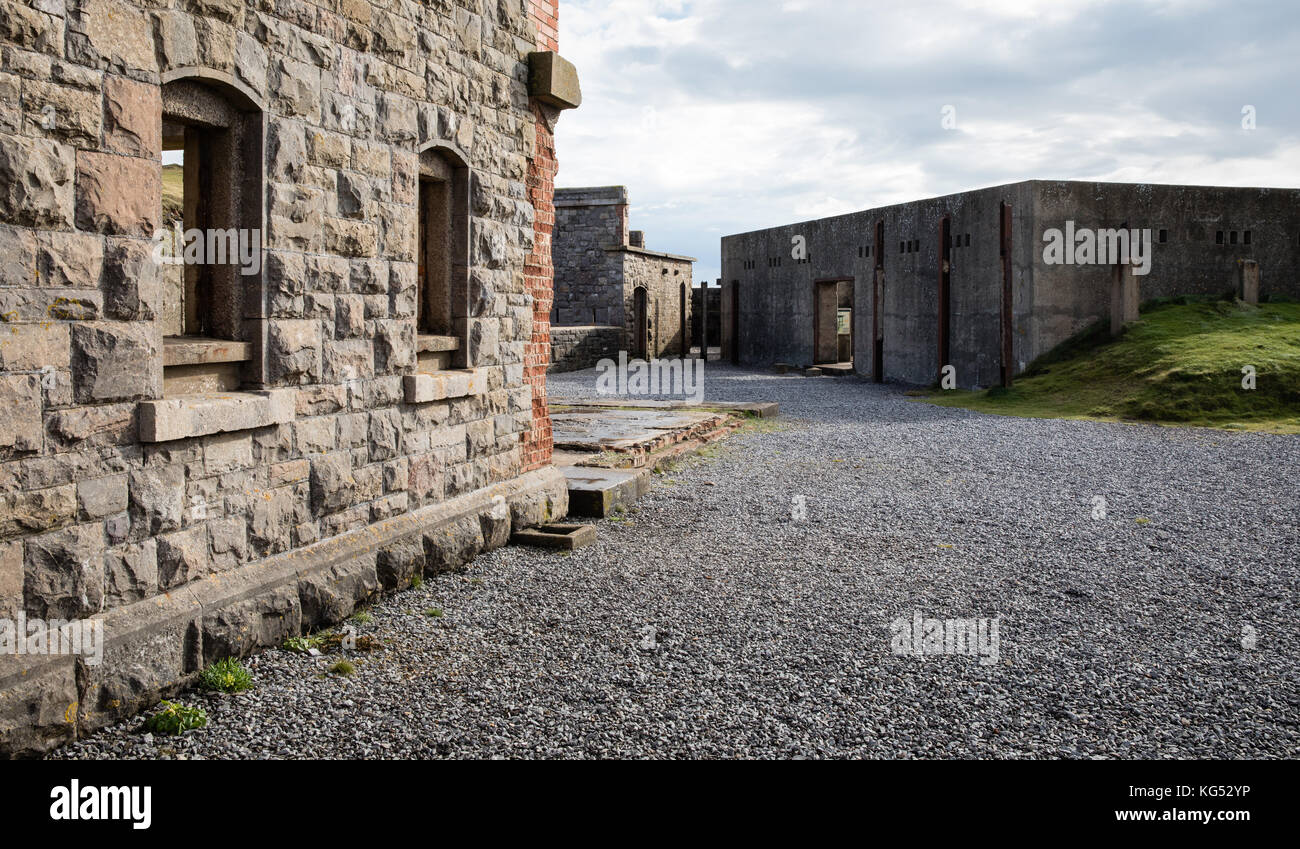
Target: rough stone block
x=99, y=498
x=64, y=577
x=453, y=545
x=36, y=182
x=117, y=194
x=20, y=413
x=333, y=594
x=113, y=361
x=398, y=563
x=131, y=112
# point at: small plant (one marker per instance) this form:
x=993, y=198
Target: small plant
x=434, y=612
x=1142, y=520
x=343, y=667
x=175, y=718
x=362, y=617
x=226, y=676
x=300, y=645
x=417, y=581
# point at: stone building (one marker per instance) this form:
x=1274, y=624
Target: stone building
x=611, y=293
x=962, y=280
x=208, y=457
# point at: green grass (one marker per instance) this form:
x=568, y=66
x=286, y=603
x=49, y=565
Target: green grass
x=1180, y=364
x=226, y=676
x=173, y=192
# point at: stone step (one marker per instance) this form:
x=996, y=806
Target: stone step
x=596, y=493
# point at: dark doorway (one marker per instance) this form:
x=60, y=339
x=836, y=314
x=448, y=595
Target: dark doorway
x=945, y=293
x=685, y=328
x=878, y=304
x=1007, y=316
x=641, y=324
x=735, y=322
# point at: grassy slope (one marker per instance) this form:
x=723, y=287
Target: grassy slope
x=1181, y=364
x=173, y=191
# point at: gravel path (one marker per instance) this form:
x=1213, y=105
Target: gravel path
x=711, y=623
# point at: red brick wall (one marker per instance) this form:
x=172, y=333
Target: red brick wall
x=539, y=273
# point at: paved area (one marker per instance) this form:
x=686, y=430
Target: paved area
x=758, y=603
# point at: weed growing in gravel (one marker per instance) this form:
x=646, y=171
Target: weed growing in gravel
x=343, y=667
x=417, y=581
x=226, y=676
x=301, y=645
x=362, y=617
x=176, y=718
x=434, y=613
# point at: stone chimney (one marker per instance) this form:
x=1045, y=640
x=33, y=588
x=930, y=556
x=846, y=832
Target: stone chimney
x=636, y=238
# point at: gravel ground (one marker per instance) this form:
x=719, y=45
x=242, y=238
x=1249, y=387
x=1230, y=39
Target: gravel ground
x=710, y=623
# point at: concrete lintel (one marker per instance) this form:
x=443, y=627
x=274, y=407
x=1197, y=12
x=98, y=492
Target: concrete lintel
x=202, y=415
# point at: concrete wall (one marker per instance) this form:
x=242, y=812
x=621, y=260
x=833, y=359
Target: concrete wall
x=1049, y=303
x=198, y=527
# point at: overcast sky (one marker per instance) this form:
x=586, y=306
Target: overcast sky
x=722, y=116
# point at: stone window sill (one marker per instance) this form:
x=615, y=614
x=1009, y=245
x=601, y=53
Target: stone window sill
x=427, y=387
x=436, y=344
x=202, y=415
x=198, y=351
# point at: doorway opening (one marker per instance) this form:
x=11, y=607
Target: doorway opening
x=833, y=323
x=945, y=294
x=641, y=323
x=878, y=304
x=735, y=322
x=685, y=328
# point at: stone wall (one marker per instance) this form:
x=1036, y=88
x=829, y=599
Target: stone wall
x=599, y=265
x=588, y=277
x=202, y=526
x=667, y=282
x=577, y=348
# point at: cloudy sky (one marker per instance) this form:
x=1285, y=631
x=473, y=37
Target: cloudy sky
x=723, y=116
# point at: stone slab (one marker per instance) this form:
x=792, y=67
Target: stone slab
x=563, y=537
x=596, y=493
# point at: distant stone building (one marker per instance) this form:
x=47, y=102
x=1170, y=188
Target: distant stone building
x=611, y=293
x=210, y=457
x=963, y=281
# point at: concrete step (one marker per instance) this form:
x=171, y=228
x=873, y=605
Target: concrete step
x=595, y=493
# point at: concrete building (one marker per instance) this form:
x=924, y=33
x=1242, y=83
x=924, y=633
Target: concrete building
x=611, y=293
x=211, y=459
x=962, y=280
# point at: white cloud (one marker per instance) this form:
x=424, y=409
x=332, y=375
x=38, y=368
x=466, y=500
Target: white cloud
x=723, y=116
